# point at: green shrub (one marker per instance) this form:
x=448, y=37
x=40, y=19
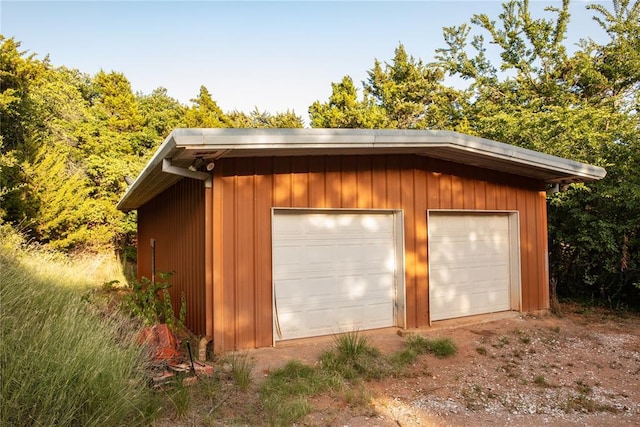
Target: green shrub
x=151, y=302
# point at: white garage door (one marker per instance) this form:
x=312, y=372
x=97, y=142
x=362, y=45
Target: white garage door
x=469, y=264
x=333, y=272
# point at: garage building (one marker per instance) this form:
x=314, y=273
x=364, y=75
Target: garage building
x=277, y=234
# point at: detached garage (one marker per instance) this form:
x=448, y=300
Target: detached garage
x=277, y=234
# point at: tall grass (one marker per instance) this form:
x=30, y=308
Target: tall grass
x=60, y=362
x=353, y=357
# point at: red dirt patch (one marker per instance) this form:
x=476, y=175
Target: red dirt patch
x=579, y=370
x=576, y=370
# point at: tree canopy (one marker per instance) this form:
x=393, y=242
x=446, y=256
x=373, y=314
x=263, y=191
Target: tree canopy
x=68, y=139
x=402, y=94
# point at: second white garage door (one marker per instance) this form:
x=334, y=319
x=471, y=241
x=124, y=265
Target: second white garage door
x=332, y=272
x=471, y=264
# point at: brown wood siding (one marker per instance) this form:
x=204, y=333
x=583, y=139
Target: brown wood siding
x=245, y=190
x=175, y=219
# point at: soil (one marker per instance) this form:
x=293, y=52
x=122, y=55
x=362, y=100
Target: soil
x=581, y=369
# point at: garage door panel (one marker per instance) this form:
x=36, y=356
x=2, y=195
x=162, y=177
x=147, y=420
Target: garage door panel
x=462, y=303
x=469, y=264
x=461, y=288
x=333, y=271
x=320, y=253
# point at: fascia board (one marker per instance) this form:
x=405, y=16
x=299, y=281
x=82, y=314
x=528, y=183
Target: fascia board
x=164, y=151
x=233, y=141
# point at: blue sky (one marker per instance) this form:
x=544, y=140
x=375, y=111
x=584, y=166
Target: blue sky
x=271, y=55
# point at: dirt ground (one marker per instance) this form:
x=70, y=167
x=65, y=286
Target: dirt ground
x=582, y=369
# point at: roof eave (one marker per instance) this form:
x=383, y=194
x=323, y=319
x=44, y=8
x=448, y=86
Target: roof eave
x=187, y=144
x=166, y=148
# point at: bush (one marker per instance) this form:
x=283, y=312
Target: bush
x=151, y=302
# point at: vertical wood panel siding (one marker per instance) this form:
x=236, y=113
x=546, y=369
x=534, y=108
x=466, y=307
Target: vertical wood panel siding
x=175, y=219
x=244, y=190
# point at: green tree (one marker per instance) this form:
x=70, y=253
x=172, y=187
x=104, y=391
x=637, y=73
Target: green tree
x=19, y=118
x=264, y=119
x=160, y=114
x=581, y=106
x=205, y=113
x=412, y=94
x=67, y=140
x=404, y=93
x=115, y=102
x=345, y=110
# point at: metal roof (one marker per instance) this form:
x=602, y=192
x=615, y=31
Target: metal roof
x=183, y=146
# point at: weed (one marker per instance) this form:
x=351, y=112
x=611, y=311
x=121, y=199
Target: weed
x=584, y=403
x=241, y=368
x=151, y=302
x=418, y=343
x=287, y=412
x=441, y=347
x=472, y=398
x=481, y=350
x=180, y=397
x=352, y=357
x=285, y=390
x=583, y=387
x=414, y=346
x=358, y=396
x=502, y=341
x=404, y=357
x=555, y=329
x=509, y=368
x=522, y=336
x=540, y=381
x=352, y=345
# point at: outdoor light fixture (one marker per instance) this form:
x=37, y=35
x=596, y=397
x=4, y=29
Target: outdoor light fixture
x=210, y=166
x=196, y=164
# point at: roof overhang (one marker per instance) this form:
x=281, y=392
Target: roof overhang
x=183, y=146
